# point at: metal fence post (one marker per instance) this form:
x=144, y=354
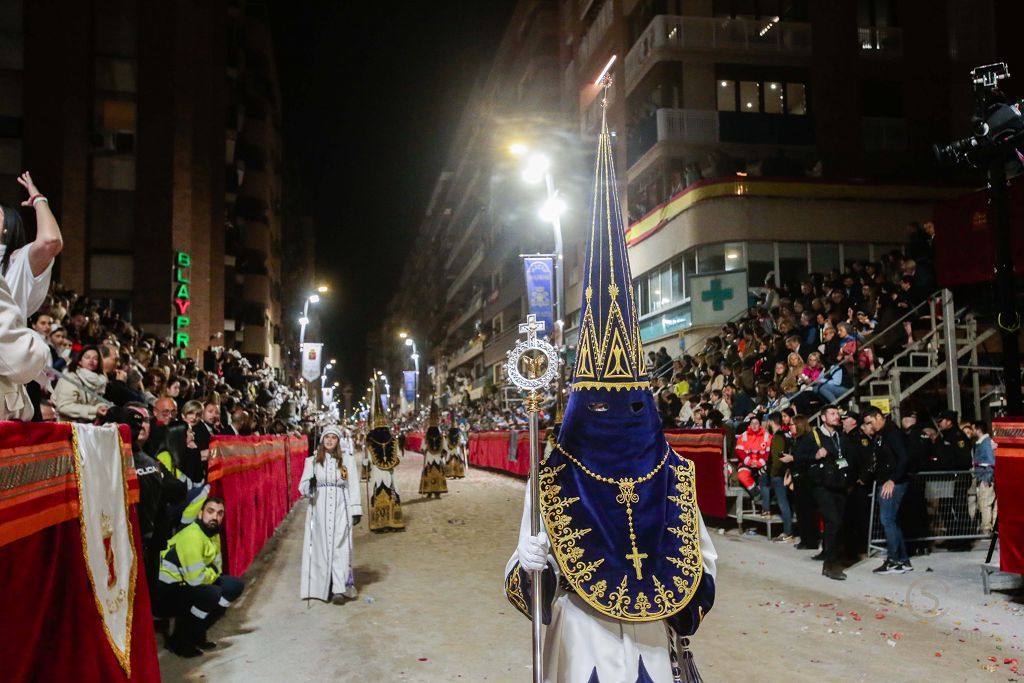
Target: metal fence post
x=952, y=366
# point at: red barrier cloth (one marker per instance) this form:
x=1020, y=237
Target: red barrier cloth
x=491, y=450
x=296, y=449
x=1008, y=433
x=50, y=629
x=414, y=442
x=249, y=473
x=704, y=448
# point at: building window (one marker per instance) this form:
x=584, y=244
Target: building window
x=774, y=98
x=727, y=96
x=750, y=97
x=767, y=96
x=760, y=261
x=734, y=256
x=796, y=99
x=710, y=259
x=496, y=325
x=792, y=264
x=824, y=257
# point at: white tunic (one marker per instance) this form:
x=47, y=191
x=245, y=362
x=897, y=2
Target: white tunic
x=327, y=542
x=29, y=291
x=580, y=639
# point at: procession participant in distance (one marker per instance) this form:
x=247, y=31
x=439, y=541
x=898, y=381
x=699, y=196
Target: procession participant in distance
x=384, y=456
x=193, y=586
x=456, y=459
x=628, y=566
x=329, y=481
x=432, y=481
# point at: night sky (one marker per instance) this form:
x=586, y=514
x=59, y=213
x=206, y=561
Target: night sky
x=371, y=95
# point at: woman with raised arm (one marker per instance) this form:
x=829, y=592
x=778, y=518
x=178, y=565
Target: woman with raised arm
x=26, y=266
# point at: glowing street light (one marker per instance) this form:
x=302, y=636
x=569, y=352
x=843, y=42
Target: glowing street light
x=552, y=209
x=537, y=167
x=323, y=289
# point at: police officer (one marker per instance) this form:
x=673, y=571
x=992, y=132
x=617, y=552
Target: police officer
x=952, y=452
x=824, y=451
x=192, y=584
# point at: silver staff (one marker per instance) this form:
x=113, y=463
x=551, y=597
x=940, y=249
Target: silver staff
x=540, y=361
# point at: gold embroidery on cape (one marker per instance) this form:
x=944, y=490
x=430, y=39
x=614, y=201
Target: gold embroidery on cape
x=623, y=603
x=514, y=591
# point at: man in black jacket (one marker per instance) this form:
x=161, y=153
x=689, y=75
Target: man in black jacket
x=891, y=462
x=821, y=451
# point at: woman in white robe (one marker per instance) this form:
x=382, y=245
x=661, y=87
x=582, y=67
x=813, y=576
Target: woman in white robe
x=329, y=481
x=580, y=640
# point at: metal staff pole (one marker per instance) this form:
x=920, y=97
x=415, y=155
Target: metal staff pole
x=540, y=361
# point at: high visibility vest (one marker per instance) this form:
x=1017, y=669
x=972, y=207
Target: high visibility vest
x=191, y=557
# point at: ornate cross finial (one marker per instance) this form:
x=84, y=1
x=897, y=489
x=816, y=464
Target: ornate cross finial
x=606, y=84
x=530, y=328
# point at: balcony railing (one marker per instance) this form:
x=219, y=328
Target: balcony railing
x=474, y=262
x=717, y=33
x=467, y=353
x=472, y=308
x=595, y=33
x=883, y=41
x=692, y=126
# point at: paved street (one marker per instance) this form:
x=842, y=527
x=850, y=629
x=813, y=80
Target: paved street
x=431, y=608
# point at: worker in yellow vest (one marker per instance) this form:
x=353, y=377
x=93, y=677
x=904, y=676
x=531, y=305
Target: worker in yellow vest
x=192, y=585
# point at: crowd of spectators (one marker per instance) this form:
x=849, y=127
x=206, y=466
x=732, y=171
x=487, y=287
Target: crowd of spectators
x=802, y=349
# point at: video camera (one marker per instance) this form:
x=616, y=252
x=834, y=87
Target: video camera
x=997, y=123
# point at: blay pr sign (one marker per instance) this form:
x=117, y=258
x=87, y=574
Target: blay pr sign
x=182, y=301
x=717, y=298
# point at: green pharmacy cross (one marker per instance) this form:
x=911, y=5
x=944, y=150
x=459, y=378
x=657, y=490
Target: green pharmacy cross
x=717, y=295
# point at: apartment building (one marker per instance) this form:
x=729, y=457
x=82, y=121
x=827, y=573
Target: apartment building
x=153, y=128
x=462, y=292
x=769, y=136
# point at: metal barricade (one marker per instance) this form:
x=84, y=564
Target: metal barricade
x=938, y=506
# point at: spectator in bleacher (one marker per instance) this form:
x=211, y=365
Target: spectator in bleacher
x=984, y=468
x=780, y=459
x=78, y=396
x=60, y=348
x=117, y=391
x=27, y=266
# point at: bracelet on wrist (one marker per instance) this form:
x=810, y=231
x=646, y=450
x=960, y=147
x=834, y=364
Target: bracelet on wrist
x=39, y=198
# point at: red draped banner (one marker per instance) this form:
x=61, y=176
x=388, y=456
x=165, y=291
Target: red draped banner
x=414, y=442
x=704, y=448
x=53, y=631
x=251, y=474
x=1009, y=434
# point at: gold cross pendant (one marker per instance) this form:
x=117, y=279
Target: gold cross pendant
x=636, y=556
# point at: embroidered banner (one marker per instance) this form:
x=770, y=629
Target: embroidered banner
x=106, y=532
x=539, y=279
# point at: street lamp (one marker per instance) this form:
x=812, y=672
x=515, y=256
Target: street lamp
x=416, y=366
x=538, y=168
x=304, y=320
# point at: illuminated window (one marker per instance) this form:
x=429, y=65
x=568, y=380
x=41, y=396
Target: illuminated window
x=796, y=98
x=774, y=98
x=750, y=97
x=726, y=95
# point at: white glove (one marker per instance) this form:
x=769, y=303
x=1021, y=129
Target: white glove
x=533, y=552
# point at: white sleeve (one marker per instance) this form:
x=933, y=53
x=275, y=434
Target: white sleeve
x=707, y=549
x=22, y=354
x=28, y=290
x=355, y=506
x=307, y=474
